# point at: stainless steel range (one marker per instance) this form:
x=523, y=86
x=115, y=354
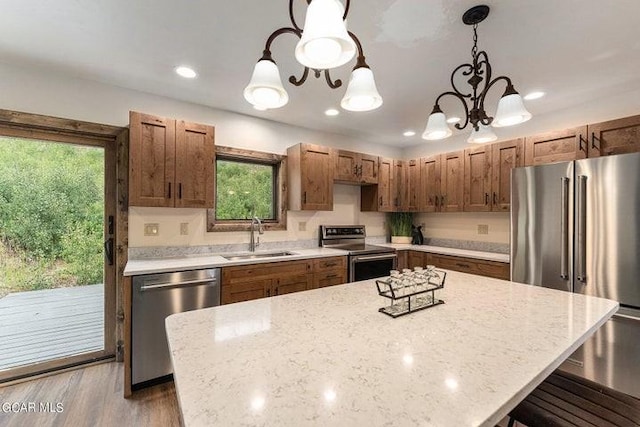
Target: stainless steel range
x=365, y=261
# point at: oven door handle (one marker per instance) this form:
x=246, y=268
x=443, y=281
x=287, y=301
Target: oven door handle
x=373, y=257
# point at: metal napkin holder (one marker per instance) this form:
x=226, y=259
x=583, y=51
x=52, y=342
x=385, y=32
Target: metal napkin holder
x=416, y=296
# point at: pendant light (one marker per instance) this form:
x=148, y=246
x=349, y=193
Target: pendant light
x=511, y=110
x=325, y=43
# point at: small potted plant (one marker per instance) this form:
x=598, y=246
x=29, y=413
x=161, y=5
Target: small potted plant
x=400, y=225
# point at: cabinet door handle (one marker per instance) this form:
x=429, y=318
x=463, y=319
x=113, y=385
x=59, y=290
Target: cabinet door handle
x=268, y=292
x=355, y=170
x=442, y=201
x=380, y=200
x=179, y=190
x=276, y=293
x=495, y=198
x=436, y=198
x=304, y=197
x=593, y=141
x=580, y=146
x=360, y=171
x=169, y=195
x=486, y=198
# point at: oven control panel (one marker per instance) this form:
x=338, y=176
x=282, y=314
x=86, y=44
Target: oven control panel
x=328, y=232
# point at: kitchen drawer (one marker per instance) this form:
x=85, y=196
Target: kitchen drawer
x=329, y=278
x=498, y=270
x=334, y=263
x=245, y=291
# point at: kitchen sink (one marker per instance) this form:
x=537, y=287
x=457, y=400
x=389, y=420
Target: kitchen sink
x=259, y=255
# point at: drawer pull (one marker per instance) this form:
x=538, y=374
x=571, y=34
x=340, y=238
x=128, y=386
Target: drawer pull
x=331, y=264
x=462, y=265
x=332, y=276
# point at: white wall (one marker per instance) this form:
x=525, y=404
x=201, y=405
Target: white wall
x=346, y=210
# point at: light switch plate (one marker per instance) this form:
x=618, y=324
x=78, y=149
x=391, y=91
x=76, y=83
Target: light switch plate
x=151, y=229
x=184, y=228
x=302, y=226
x=483, y=229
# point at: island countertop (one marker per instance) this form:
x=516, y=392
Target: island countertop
x=328, y=357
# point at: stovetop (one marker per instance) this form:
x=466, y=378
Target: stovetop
x=349, y=238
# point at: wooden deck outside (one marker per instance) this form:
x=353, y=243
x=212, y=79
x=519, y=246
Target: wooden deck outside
x=36, y=326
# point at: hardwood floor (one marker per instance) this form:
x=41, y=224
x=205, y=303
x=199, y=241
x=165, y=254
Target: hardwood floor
x=90, y=396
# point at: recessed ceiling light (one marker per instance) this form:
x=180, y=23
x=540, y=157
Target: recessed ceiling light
x=260, y=108
x=185, y=72
x=534, y=95
x=453, y=119
x=409, y=133
x=332, y=112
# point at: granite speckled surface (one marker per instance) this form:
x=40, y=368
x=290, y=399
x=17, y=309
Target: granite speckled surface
x=328, y=357
x=488, y=256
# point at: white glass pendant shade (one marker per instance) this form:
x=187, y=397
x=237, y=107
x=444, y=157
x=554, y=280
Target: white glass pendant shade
x=265, y=88
x=482, y=135
x=361, y=94
x=325, y=42
x=511, y=111
x=437, y=127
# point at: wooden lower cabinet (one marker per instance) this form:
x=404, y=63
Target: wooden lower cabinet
x=495, y=269
x=411, y=259
x=253, y=281
x=329, y=271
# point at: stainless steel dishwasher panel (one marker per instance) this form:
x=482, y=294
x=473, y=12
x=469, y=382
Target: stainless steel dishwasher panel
x=156, y=296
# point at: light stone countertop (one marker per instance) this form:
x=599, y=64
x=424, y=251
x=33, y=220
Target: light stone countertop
x=195, y=262
x=488, y=256
x=137, y=267
x=327, y=357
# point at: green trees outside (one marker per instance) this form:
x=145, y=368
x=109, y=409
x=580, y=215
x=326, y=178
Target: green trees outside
x=51, y=215
x=244, y=190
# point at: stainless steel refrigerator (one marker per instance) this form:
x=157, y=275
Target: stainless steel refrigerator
x=576, y=227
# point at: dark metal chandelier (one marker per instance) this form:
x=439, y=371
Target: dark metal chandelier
x=510, y=111
x=325, y=43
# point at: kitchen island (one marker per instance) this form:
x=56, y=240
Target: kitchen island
x=328, y=357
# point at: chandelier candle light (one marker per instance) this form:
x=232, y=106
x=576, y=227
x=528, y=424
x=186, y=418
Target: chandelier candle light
x=511, y=110
x=325, y=43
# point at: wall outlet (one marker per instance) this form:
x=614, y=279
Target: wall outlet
x=302, y=226
x=151, y=229
x=184, y=228
x=483, y=229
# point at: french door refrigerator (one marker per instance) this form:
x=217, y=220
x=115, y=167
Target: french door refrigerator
x=576, y=227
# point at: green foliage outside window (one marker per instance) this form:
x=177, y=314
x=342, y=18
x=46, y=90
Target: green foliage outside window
x=51, y=215
x=244, y=190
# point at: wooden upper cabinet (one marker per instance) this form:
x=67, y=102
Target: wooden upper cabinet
x=152, y=152
x=505, y=156
x=413, y=183
x=554, y=147
x=356, y=168
x=195, y=166
x=310, y=177
x=171, y=164
x=368, y=169
x=381, y=197
x=429, y=191
x=401, y=191
x=614, y=137
x=452, y=186
x=346, y=166
x=477, y=179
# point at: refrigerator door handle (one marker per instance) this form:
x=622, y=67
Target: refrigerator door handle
x=582, y=229
x=564, y=230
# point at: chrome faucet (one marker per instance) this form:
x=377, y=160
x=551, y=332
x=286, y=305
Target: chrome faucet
x=253, y=244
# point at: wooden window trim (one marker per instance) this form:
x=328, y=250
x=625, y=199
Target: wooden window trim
x=280, y=161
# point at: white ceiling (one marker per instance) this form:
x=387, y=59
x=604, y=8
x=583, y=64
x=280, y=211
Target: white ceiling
x=575, y=50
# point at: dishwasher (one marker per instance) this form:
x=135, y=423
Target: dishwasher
x=156, y=296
